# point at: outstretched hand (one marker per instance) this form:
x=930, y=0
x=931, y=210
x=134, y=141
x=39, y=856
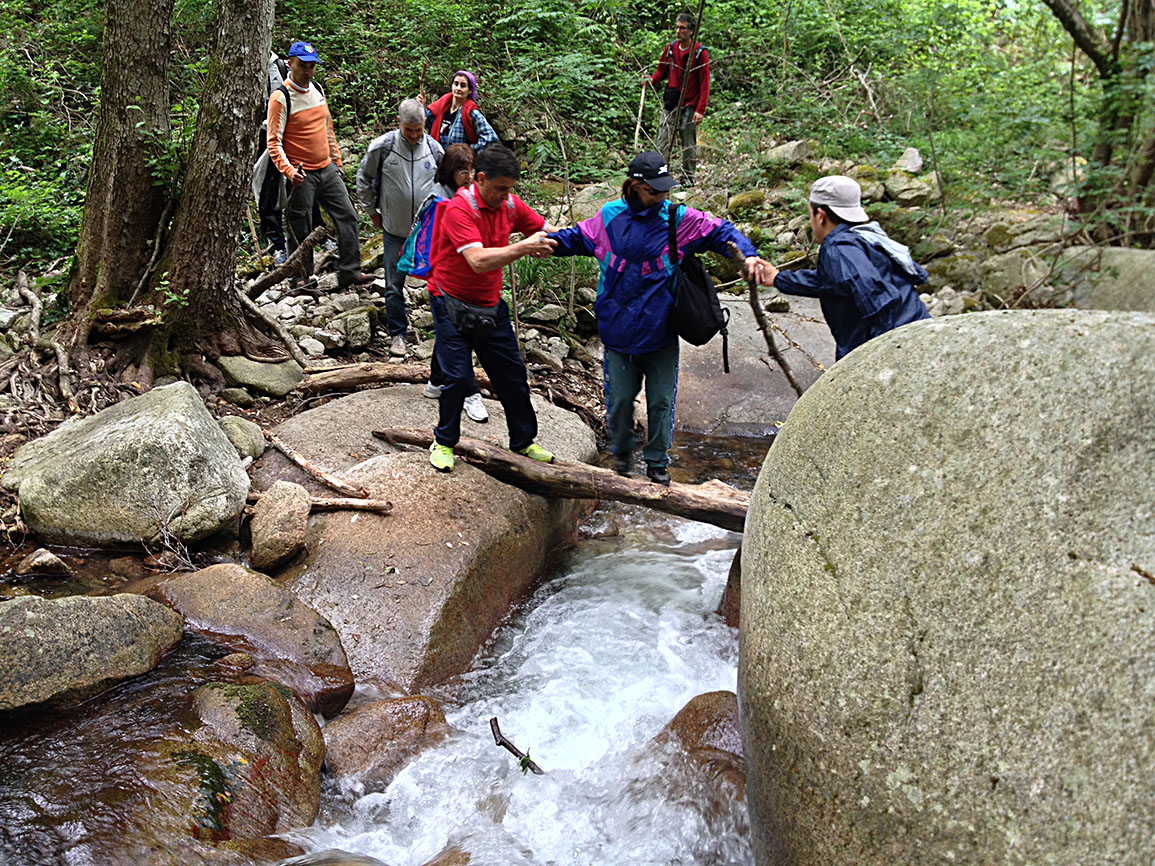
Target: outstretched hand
x=759, y=270
x=539, y=245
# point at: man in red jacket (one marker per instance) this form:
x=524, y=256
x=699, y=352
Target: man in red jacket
x=683, y=60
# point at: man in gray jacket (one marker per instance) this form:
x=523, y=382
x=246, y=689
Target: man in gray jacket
x=394, y=178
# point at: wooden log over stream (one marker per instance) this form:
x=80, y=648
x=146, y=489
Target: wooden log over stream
x=713, y=502
x=352, y=377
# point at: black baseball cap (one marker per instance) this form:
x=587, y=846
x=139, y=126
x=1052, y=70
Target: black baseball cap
x=651, y=167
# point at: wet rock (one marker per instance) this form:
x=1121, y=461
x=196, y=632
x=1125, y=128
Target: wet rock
x=124, y=473
x=280, y=524
x=254, y=766
x=247, y=612
x=333, y=857
x=730, y=605
x=275, y=379
x=41, y=561
x=375, y=741
x=67, y=649
x=415, y=593
x=932, y=632
x=246, y=436
x=707, y=728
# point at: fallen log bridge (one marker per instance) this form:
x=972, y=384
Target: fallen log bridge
x=352, y=377
x=713, y=502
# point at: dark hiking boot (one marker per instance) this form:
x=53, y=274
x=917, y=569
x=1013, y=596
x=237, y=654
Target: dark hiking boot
x=659, y=475
x=622, y=464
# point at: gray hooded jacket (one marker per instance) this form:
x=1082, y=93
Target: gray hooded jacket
x=395, y=177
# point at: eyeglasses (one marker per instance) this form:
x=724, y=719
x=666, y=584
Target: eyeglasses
x=468, y=172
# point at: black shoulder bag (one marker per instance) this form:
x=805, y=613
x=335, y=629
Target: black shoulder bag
x=697, y=314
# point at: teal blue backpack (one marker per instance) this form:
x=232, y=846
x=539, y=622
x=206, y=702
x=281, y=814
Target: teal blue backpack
x=418, y=245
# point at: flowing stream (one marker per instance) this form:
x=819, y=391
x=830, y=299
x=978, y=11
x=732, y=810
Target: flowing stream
x=584, y=675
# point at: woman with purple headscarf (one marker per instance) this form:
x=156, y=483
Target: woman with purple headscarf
x=455, y=117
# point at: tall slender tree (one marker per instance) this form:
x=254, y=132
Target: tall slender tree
x=186, y=269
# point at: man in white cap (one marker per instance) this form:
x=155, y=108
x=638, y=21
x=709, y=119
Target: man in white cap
x=865, y=281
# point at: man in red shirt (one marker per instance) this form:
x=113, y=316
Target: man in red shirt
x=470, y=248
x=689, y=61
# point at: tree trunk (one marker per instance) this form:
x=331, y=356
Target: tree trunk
x=122, y=205
x=197, y=272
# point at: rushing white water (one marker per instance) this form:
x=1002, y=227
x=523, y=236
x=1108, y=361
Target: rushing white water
x=583, y=676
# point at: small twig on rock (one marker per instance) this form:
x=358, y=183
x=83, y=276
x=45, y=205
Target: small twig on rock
x=321, y=475
x=523, y=757
x=320, y=503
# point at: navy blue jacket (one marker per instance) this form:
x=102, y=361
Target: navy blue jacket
x=864, y=291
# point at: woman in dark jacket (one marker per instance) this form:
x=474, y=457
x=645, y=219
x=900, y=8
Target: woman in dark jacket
x=630, y=239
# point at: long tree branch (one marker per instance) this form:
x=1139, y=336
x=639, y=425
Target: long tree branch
x=1087, y=40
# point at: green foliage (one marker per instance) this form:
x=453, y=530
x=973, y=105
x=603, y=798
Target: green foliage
x=989, y=84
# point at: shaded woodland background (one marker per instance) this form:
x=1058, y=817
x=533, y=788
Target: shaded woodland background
x=1001, y=97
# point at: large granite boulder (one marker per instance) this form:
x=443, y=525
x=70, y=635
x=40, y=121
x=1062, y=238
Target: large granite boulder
x=946, y=600
x=154, y=465
x=753, y=397
x=66, y=649
x=414, y=593
x=247, y=612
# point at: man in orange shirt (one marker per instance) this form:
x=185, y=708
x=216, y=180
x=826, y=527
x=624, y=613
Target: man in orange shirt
x=303, y=147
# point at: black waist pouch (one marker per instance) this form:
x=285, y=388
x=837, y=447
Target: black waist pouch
x=472, y=321
x=670, y=98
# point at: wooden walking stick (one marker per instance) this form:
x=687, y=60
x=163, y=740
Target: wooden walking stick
x=641, y=108
x=763, y=325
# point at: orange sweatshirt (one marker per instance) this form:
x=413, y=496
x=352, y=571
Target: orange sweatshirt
x=306, y=136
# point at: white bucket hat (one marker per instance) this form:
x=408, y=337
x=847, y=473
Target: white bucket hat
x=842, y=195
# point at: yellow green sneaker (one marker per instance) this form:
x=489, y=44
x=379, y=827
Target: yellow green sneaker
x=441, y=456
x=535, y=452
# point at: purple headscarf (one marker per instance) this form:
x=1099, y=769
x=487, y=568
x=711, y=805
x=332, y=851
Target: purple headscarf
x=472, y=82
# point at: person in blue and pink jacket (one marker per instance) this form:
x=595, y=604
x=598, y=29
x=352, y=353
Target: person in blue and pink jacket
x=630, y=239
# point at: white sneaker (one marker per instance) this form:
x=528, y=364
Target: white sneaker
x=432, y=391
x=397, y=347
x=279, y=257
x=475, y=409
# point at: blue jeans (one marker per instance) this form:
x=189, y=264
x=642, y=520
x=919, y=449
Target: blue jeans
x=395, y=316
x=500, y=357
x=623, y=375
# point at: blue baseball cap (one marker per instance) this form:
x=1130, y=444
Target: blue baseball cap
x=304, y=51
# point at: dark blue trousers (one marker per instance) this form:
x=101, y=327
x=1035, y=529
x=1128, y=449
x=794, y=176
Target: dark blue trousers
x=500, y=357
